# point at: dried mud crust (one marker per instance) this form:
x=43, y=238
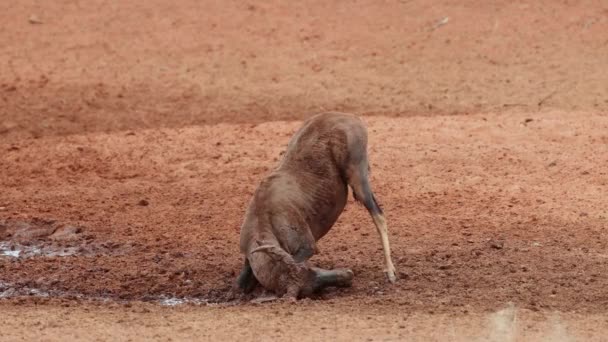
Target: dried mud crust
x=482, y=210
x=117, y=65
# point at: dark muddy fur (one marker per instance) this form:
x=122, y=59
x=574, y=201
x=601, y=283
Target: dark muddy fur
x=369, y=200
x=246, y=281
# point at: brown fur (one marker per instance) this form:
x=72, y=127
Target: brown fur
x=298, y=203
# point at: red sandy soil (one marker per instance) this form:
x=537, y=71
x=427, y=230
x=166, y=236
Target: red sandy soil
x=133, y=134
x=308, y=321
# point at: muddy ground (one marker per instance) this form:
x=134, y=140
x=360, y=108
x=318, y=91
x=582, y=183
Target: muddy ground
x=132, y=136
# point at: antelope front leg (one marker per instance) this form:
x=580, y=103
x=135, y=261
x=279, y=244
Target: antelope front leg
x=380, y=223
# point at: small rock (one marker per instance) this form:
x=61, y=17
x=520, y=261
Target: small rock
x=552, y=164
x=66, y=233
x=2, y=208
x=33, y=19
x=440, y=23
x=317, y=68
x=143, y=203
x=497, y=244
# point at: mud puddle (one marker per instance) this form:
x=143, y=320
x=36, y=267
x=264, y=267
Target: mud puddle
x=8, y=291
x=49, y=238
x=42, y=238
x=15, y=250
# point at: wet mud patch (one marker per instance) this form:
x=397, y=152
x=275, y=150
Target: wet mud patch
x=24, y=292
x=49, y=238
x=220, y=297
x=44, y=258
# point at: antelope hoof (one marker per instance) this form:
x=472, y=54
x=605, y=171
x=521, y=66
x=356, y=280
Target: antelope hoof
x=391, y=276
x=343, y=277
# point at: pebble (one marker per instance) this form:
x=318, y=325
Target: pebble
x=497, y=244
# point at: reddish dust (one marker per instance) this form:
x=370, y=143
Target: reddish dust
x=132, y=136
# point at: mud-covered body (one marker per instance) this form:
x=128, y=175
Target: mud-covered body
x=299, y=202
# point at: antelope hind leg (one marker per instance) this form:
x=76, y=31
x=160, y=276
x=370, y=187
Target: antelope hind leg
x=337, y=277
